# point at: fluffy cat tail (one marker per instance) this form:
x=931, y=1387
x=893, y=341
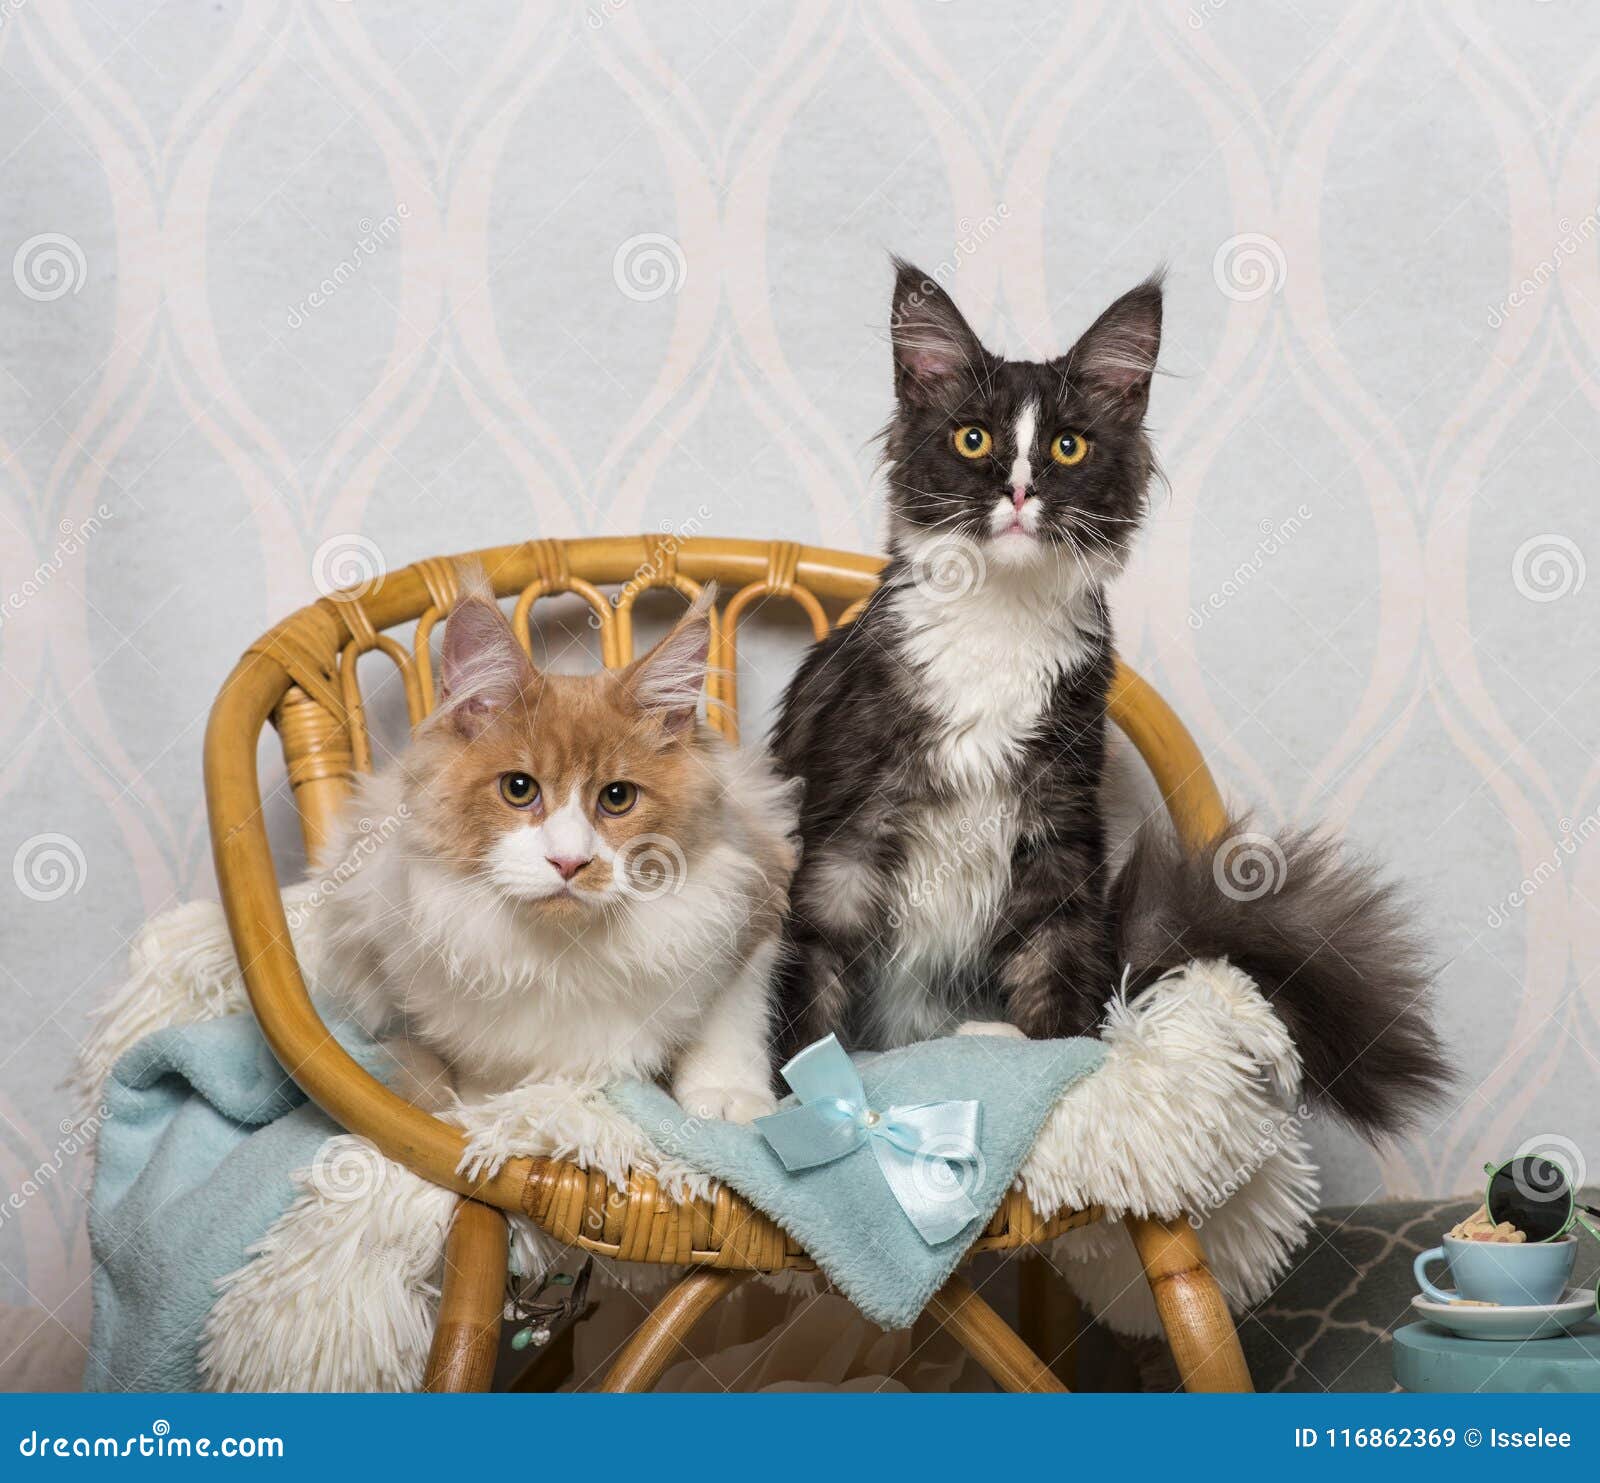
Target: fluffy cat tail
x=1329, y=943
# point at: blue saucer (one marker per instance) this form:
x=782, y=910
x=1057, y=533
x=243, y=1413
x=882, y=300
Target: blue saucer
x=1508, y=1321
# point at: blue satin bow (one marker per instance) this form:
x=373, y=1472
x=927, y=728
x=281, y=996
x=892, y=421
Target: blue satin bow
x=928, y=1153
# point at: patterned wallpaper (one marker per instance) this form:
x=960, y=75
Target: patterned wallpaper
x=302, y=290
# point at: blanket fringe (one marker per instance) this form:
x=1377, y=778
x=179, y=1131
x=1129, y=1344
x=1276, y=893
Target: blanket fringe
x=341, y=1293
x=1192, y=1114
x=181, y=970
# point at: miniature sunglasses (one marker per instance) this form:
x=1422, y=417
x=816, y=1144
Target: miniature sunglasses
x=1537, y=1196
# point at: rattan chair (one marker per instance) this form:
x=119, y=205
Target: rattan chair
x=302, y=677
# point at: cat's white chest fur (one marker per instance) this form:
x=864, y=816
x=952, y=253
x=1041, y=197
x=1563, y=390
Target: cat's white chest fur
x=989, y=657
x=504, y=1001
x=988, y=662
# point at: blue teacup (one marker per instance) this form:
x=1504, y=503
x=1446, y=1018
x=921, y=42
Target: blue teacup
x=1533, y=1274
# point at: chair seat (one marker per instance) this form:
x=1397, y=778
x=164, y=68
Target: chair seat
x=637, y=1222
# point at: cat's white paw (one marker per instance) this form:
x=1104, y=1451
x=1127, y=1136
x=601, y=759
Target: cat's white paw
x=729, y=1104
x=989, y=1027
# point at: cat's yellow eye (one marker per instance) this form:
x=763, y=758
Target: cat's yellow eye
x=618, y=798
x=973, y=441
x=1069, y=449
x=518, y=789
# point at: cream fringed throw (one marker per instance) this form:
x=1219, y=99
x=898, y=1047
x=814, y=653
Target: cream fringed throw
x=1192, y=1113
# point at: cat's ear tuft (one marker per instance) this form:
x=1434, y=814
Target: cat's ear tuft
x=482, y=669
x=668, y=681
x=934, y=347
x=1115, y=358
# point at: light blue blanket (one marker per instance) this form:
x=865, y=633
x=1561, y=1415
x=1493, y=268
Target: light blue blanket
x=204, y=1130
x=843, y=1213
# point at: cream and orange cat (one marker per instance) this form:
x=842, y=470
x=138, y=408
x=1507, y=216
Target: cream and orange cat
x=573, y=877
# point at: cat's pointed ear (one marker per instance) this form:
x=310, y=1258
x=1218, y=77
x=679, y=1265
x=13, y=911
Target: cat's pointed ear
x=482, y=669
x=934, y=347
x=1114, y=360
x=668, y=681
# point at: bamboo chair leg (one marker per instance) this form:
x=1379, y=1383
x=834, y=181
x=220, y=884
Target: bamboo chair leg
x=657, y=1339
x=1199, y=1328
x=988, y=1338
x=466, y=1340
x=1048, y=1317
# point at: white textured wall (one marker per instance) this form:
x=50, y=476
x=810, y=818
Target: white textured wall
x=1412, y=657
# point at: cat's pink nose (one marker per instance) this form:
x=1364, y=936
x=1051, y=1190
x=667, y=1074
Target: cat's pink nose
x=1019, y=493
x=566, y=866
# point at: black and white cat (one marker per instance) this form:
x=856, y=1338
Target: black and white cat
x=953, y=746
